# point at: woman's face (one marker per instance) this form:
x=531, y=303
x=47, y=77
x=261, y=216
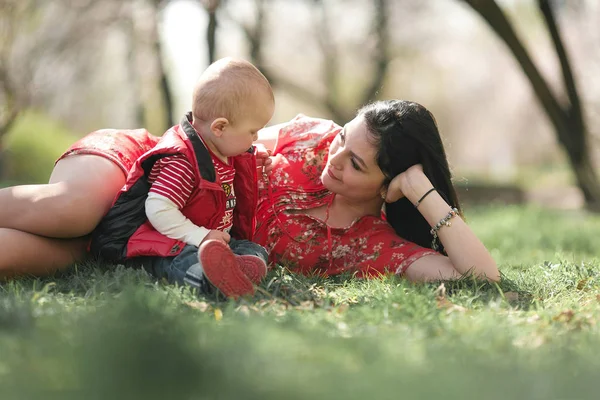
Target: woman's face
x=352, y=170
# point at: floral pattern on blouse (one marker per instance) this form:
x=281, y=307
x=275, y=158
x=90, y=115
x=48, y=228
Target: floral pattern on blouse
x=368, y=247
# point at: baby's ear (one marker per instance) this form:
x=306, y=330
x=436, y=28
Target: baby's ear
x=218, y=126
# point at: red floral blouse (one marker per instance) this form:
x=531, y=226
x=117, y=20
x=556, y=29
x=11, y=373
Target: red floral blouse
x=368, y=247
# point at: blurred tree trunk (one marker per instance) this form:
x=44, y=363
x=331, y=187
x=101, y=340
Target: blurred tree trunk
x=8, y=114
x=132, y=73
x=331, y=100
x=567, y=119
x=12, y=13
x=211, y=7
x=10, y=107
x=165, y=87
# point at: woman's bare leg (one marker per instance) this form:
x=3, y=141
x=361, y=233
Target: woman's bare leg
x=81, y=190
x=43, y=228
x=27, y=254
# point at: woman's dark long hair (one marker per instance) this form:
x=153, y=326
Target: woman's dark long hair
x=405, y=134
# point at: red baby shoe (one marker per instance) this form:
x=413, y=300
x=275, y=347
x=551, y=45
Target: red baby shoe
x=221, y=268
x=253, y=267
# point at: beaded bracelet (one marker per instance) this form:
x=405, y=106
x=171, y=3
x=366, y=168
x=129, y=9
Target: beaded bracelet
x=443, y=222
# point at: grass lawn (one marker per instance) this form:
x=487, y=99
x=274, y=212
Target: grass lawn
x=96, y=334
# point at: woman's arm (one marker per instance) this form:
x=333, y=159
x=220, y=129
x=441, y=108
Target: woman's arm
x=432, y=268
x=267, y=137
x=466, y=253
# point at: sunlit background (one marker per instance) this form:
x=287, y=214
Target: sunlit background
x=73, y=66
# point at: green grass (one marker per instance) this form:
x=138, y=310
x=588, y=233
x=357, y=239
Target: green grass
x=31, y=148
x=97, y=334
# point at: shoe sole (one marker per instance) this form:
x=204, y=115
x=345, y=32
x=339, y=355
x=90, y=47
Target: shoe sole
x=222, y=270
x=253, y=267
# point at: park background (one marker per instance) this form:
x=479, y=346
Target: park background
x=71, y=67
x=515, y=88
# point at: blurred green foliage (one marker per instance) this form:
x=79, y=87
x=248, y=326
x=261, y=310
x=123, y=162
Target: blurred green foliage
x=31, y=148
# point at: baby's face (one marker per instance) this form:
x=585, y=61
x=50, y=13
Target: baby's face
x=238, y=137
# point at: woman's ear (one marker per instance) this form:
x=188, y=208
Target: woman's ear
x=218, y=126
x=393, y=190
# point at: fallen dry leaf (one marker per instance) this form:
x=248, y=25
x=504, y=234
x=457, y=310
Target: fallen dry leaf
x=244, y=310
x=440, y=291
x=449, y=306
x=534, y=318
x=305, y=305
x=564, y=316
x=198, y=305
x=511, y=296
x=581, y=284
x=342, y=308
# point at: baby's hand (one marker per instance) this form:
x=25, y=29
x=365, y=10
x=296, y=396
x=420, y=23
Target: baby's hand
x=264, y=160
x=262, y=154
x=217, y=235
x=270, y=163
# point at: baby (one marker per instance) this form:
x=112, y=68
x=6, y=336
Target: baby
x=186, y=212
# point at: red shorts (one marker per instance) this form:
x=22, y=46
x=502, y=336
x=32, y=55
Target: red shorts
x=122, y=147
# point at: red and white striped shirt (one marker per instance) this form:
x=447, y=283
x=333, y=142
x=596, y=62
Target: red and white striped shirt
x=173, y=178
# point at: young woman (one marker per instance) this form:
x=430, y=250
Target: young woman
x=320, y=204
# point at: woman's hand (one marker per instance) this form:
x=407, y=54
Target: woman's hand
x=466, y=253
x=412, y=183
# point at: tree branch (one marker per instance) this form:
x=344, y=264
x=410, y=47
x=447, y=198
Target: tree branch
x=12, y=106
x=254, y=34
x=298, y=91
x=382, y=57
x=157, y=53
x=211, y=7
x=575, y=113
x=495, y=17
x=330, y=64
x=7, y=122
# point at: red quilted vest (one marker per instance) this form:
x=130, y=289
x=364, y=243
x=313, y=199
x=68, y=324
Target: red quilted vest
x=125, y=231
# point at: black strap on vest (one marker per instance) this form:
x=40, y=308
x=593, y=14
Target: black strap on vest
x=203, y=158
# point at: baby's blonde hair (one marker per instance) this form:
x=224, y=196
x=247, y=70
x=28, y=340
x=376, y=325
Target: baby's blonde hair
x=228, y=88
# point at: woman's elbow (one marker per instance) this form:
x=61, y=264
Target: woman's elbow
x=489, y=272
